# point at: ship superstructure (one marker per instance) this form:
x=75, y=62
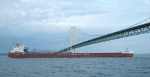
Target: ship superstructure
x=18, y=49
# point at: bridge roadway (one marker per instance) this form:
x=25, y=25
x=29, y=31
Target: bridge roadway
x=132, y=31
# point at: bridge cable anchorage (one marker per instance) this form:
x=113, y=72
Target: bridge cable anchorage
x=132, y=31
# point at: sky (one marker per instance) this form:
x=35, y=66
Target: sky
x=45, y=24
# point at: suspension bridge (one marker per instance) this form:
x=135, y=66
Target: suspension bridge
x=131, y=31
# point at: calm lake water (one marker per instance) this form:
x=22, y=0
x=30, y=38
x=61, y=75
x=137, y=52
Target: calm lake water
x=139, y=66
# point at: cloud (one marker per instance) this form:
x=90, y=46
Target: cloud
x=23, y=19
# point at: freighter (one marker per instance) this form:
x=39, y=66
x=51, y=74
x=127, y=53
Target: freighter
x=21, y=52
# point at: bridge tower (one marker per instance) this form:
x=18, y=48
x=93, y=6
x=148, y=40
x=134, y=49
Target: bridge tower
x=73, y=37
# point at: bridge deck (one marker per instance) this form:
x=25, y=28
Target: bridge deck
x=136, y=30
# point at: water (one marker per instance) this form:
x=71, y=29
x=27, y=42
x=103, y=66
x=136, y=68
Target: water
x=86, y=67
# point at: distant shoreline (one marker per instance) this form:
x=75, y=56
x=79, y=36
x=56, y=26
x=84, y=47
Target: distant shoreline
x=3, y=54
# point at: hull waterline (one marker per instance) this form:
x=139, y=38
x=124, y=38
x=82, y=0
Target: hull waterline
x=68, y=55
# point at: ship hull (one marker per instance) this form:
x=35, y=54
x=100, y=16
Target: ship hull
x=68, y=55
